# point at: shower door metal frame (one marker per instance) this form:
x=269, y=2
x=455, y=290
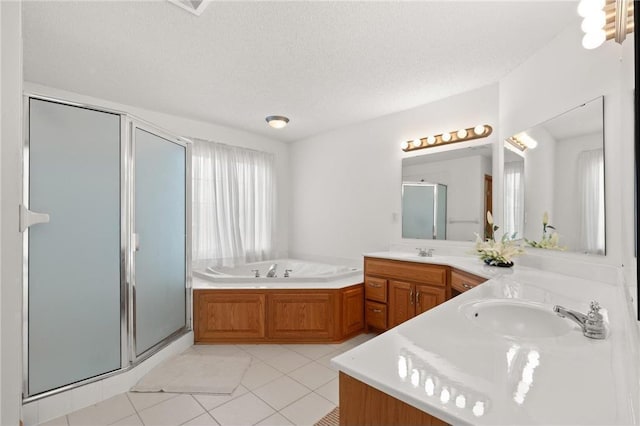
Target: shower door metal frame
x=132, y=124
x=127, y=361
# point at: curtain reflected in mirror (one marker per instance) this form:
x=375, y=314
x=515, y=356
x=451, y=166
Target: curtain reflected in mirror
x=554, y=182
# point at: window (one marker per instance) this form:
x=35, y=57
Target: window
x=233, y=204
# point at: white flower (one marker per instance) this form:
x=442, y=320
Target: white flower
x=489, y=218
x=545, y=218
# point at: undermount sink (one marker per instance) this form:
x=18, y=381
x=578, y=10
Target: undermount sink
x=516, y=319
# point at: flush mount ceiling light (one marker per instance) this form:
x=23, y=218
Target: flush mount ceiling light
x=477, y=132
x=277, y=121
x=605, y=20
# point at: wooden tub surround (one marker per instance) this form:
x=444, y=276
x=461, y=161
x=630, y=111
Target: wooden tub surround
x=278, y=315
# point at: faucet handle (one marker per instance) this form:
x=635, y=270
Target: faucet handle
x=594, y=307
x=421, y=251
x=286, y=272
x=256, y=272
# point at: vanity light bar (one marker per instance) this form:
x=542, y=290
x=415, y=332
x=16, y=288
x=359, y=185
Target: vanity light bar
x=513, y=140
x=470, y=133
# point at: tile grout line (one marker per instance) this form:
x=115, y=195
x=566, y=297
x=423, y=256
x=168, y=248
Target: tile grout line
x=205, y=410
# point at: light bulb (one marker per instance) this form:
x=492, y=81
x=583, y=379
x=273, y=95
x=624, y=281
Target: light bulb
x=587, y=7
x=446, y=137
x=462, y=133
x=479, y=129
x=594, y=39
x=594, y=22
x=417, y=143
x=404, y=145
x=431, y=140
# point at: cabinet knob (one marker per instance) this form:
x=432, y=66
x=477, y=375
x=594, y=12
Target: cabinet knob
x=377, y=311
x=467, y=286
x=418, y=297
x=411, y=296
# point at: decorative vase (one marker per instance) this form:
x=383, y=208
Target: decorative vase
x=492, y=262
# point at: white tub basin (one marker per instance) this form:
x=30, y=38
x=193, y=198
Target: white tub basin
x=516, y=319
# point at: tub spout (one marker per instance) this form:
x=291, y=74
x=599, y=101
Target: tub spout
x=271, y=273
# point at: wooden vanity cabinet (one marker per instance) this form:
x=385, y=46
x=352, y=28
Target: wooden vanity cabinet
x=396, y=291
x=407, y=300
x=462, y=281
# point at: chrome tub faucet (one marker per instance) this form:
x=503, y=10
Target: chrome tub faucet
x=592, y=323
x=271, y=273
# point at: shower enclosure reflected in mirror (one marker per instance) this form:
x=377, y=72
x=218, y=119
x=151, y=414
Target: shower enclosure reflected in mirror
x=466, y=175
x=557, y=167
x=424, y=210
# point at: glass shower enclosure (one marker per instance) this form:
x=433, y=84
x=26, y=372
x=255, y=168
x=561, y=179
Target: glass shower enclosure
x=105, y=222
x=424, y=210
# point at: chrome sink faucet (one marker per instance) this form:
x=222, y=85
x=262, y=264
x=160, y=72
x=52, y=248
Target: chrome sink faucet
x=592, y=323
x=424, y=252
x=271, y=273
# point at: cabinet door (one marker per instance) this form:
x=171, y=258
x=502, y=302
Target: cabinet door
x=300, y=316
x=228, y=317
x=427, y=297
x=401, y=306
x=352, y=310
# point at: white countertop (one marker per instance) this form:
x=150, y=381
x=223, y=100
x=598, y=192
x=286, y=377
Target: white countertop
x=279, y=284
x=444, y=364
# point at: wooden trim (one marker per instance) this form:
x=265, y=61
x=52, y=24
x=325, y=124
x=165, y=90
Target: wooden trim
x=361, y=404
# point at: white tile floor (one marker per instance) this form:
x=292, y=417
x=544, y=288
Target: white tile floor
x=284, y=385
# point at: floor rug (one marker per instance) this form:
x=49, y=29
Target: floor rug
x=331, y=419
x=194, y=372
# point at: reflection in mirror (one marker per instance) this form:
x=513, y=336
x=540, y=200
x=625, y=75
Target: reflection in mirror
x=555, y=172
x=424, y=210
x=465, y=173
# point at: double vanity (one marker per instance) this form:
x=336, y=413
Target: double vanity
x=497, y=353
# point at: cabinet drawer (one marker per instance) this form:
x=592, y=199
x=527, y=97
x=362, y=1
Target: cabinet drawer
x=375, y=289
x=463, y=281
x=376, y=315
x=422, y=273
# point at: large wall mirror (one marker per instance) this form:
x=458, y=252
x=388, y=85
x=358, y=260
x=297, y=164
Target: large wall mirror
x=445, y=194
x=554, y=172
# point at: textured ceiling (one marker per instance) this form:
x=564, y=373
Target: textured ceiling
x=323, y=64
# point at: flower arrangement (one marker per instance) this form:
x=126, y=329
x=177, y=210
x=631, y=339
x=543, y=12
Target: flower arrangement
x=549, y=239
x=497, y=253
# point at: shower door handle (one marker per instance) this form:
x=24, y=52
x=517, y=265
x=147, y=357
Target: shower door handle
x=29, y=218
x=136, y=241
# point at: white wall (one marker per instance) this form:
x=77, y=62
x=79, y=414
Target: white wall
x=209, y=131
x=11, y=142
x=346, y=183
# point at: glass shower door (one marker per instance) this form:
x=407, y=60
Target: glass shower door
x=72, y=275
x=160, y=217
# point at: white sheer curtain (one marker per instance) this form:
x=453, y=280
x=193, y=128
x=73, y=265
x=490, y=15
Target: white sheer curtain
x=233, y=204
x=591, y=193
x=514, y=198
